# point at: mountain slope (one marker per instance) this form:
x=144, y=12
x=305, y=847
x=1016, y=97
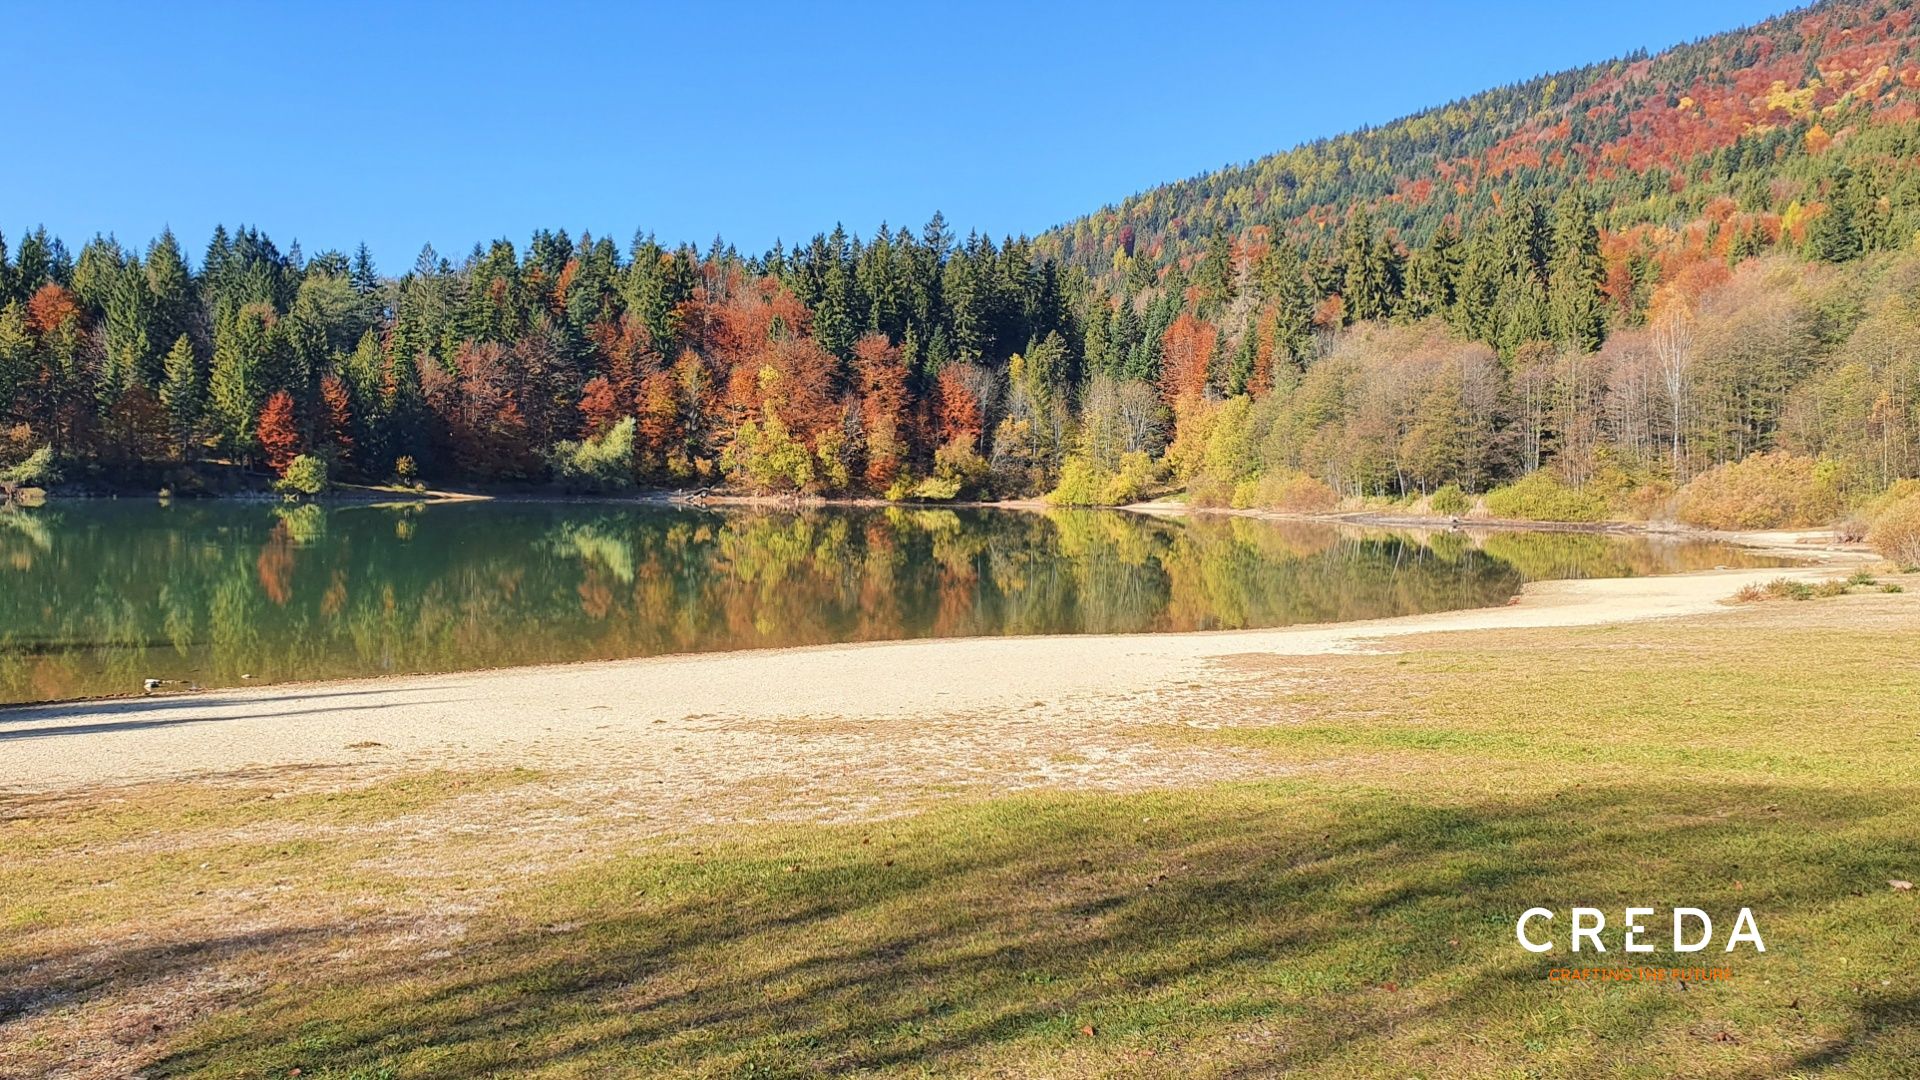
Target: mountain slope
x=1749, y=114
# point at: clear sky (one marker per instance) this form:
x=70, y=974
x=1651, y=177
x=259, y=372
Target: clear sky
x=397, y=124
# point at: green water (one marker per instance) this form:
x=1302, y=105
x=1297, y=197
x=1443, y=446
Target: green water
x=97, y=596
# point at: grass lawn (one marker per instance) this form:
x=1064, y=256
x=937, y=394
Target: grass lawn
x=1352, y=916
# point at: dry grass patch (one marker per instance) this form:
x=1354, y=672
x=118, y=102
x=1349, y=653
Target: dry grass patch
x=1354, y=918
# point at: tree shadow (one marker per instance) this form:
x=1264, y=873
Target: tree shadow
x=112, y=726
x=28, y=712
x=973, y=936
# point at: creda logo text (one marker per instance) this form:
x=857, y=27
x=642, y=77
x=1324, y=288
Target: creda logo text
x=1692, y=930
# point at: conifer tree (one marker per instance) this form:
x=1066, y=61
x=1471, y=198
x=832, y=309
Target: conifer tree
x=239, y=378
x=182, y=394
x=1576, y=307
x=170, y=288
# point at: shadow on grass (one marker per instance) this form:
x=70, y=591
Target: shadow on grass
x=1231, y=931
x=73, y=977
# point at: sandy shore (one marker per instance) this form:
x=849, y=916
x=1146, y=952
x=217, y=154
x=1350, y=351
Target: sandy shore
x=714, y=711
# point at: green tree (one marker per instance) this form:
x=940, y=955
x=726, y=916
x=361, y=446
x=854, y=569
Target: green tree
x=183, y=393
x=242, y=361
x=16, y=354
x=129, y=335
x=170, y=287
x=1833, y=236
x=1576, y=307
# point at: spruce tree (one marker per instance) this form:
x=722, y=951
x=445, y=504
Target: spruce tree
x=170, y=287
x=1834, y=236
x=130, y=360
x=1576, y=307
x=182, y=393
x=16, y=354
x=239, y=380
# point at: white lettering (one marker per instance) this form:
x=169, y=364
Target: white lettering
x=1520, y=929
x=1679, y=935
x=1634, y=927
x=1591, y=933
x=1751, y=933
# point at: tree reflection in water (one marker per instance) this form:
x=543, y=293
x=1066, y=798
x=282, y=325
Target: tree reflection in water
x=96, y=597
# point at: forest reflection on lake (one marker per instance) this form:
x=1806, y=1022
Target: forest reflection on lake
x=96, y=597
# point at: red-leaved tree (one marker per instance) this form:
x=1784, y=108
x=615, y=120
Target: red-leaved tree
x=279, y=435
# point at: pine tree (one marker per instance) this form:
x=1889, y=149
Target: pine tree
x=833, y=325
x=16, y=354
x=239, y=380
x=96, y=273
x=1576, y=307
x=366, y=280
x=170, y=288
x=34, y=267
x=1215, y=275
x=1365, y=269
x=182, y=394
x=1834, y=236
x=130, y=352
x=1433, y=275
x=1240, y=367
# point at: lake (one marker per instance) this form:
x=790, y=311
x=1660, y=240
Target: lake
x=97, y=596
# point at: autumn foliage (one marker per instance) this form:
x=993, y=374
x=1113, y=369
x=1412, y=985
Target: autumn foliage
x=1187, y=358
x=278, y=431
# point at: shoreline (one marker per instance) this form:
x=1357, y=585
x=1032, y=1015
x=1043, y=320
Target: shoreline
x=566, y=715
x=1775, y=541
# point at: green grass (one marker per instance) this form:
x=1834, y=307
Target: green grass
x=1352, y=931
x=1351, y=917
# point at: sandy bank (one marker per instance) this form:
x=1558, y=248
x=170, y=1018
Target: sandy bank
x=582, y=714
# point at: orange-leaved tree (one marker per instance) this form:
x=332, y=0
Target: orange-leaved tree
x=279, y=434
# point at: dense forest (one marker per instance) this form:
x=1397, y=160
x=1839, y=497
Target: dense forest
x=1615, y=279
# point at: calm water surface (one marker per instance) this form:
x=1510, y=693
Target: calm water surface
x=95, y=597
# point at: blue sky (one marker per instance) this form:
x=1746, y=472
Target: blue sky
x=398, y=124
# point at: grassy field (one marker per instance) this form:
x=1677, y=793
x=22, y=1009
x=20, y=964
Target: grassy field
x=1352, y=916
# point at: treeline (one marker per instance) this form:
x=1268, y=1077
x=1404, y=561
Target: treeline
x=914, y=366
x=1628, y=275
x=841, y=365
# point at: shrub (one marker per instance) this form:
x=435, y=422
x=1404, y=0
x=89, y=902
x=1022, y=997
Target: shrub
x=1788, y=589
x=1082, y=483
x=1450, y=500
x=1896, y=532
x=306, y=475
x=1205, y=489
x=936, y=489
x=1762, y=491
x=1893, y=586
x=1295, y=493
x=601, y=463
x=1130, y=484
x=765, y=457
x=1540, y=496
x=958, y=467
x=405, y=469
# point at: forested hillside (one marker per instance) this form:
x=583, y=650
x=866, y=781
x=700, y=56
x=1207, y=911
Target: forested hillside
x=1619, y=277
